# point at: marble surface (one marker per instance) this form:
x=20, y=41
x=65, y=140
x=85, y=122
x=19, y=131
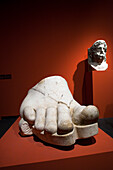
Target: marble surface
x=97, y=55
x=50, y=112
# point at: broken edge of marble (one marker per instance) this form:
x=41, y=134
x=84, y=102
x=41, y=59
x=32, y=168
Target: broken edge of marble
x=79, y=132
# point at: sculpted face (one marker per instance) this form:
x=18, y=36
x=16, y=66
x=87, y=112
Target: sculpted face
x=99, y=54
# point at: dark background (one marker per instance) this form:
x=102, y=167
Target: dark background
x=47, y=37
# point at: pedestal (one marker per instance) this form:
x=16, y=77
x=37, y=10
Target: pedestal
x=18, y=152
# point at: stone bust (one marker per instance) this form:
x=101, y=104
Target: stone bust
x=97, y=55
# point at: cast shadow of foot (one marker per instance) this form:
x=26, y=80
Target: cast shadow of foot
x=82, y=142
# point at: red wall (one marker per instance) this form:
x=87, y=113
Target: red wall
x=44, y=38
x=103, y=92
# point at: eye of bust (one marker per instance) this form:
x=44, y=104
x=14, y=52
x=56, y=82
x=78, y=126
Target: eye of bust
x=105, y=49
x=98, y=49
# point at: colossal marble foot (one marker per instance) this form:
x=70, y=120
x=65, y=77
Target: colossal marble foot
x=50, y=112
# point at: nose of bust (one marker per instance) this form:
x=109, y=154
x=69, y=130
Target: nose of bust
x=102, y=51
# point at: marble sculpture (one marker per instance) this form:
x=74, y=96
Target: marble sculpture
x=97, y=55
x=50, y=112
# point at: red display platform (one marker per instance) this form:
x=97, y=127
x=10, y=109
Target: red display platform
x=103, y=92
x=18, y=152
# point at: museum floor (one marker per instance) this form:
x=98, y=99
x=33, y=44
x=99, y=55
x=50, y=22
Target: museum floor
x=106, y=124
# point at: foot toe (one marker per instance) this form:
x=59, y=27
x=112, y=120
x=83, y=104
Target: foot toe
x=25, y=128
x=51, y=120
x=65, y=127
x=65, y=124
x=40, y=119
x=89, y=115
x=29, y=114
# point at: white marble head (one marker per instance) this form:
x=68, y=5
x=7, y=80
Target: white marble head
x=97, y=55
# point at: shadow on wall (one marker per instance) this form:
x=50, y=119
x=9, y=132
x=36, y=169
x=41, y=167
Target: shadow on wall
x=83, y=90
x=108, y=110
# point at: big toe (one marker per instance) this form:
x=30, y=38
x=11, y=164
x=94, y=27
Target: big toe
x=89, y=115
